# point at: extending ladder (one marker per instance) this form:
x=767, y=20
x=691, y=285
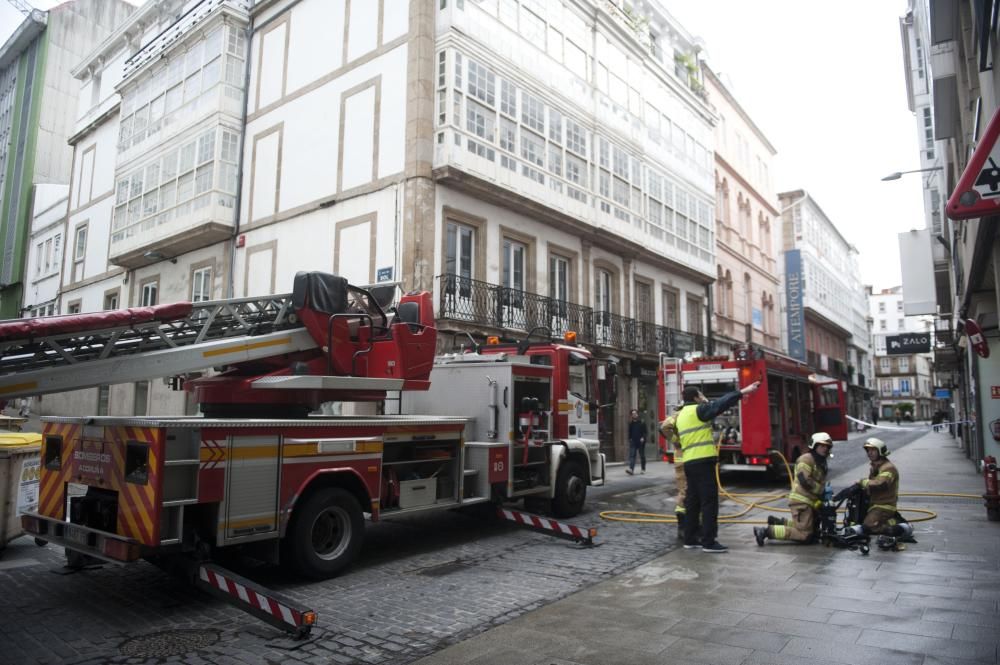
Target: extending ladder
x=54, y=354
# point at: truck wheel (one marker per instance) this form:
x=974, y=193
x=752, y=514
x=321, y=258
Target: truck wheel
x=571, y=490
x=325, y=534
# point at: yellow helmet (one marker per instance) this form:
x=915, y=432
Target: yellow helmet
x=877, y=444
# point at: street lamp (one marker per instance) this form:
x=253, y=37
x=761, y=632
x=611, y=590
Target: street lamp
x=899, y=174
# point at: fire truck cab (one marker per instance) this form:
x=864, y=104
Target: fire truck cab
x=789, y=407
x=580, y=383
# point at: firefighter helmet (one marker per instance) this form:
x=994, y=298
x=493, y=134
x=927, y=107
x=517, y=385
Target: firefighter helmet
x=820, y=437
x=879, y=445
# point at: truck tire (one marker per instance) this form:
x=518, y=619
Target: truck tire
x=325, y=534
x=571, y=489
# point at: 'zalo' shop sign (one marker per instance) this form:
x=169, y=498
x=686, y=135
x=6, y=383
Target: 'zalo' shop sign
x=896, y=345
x=794, y=283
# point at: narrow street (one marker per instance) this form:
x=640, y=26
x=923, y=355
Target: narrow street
x=421, y=584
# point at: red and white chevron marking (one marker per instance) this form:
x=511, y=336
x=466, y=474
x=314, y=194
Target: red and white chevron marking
x=546, y=524
x=251, y=597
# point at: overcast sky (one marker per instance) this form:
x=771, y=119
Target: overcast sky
x=824, y=82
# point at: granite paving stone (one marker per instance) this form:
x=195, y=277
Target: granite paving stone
x=930, y=645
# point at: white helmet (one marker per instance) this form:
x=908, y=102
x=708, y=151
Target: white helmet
x=879, y=445
x=820, y=437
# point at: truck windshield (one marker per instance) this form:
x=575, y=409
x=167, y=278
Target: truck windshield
x=727, y=424
x=579, y=376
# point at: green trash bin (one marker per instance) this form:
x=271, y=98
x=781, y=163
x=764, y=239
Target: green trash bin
x=19, y=472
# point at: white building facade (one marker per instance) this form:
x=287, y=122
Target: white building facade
x=46, y=243
x=153, y=189
x=531, y=163
x=747, y=299
x=903, y=381
x=824, y=316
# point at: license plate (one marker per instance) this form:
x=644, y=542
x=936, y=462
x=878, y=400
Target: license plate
x=77, y=535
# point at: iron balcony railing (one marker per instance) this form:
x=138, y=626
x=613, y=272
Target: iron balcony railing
x=475, y=302
x=944, y=333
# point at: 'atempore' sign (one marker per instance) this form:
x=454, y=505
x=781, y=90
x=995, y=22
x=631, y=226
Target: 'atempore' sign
x=794, y=284
x=897, y=345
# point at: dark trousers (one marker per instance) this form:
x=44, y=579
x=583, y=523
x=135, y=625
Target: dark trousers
x=635, y=448
x=701, y=502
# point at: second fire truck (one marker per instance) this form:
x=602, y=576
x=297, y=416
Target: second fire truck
x=778, y=418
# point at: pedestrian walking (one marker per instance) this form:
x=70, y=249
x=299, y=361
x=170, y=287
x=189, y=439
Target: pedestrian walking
x=898, y=415
x=669, y=431
x=874, y=415
x=636, y=442
x=805, y=498
x=694, y=427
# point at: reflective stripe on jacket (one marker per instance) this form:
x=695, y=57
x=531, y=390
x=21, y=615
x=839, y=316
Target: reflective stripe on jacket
x=695, y=435
x=882, y=484
x=810, y=479
x=669, y=431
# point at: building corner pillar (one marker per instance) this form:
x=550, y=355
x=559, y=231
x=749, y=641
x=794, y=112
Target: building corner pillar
x=419, y=191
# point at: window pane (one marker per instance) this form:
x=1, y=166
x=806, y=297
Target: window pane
x=206, y=147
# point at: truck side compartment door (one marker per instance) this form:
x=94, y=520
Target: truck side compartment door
x=252, y=482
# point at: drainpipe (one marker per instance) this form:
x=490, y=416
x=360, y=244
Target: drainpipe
x=238, y=204
x=709, y=339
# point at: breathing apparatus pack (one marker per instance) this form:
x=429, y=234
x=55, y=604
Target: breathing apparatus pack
x=852, y=534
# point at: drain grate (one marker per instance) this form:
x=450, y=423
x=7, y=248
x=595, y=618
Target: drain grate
x=169, y=643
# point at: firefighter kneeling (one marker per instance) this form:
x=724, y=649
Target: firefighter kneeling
x=882, y=489
x=805, y=498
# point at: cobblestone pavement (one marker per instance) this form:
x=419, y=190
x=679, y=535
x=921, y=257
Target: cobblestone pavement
x=423, y=582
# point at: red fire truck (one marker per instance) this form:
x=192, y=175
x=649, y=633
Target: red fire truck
x=257, y=471
x=779, y=417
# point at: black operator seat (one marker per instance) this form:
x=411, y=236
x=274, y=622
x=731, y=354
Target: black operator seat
x=320, y=291
x=409, y=312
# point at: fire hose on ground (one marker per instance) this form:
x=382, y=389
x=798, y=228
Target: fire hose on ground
x=766, y=498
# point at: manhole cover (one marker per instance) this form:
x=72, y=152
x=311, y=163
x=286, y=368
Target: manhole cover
x=169, y=643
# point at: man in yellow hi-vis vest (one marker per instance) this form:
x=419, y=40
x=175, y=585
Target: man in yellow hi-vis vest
x=694, y=428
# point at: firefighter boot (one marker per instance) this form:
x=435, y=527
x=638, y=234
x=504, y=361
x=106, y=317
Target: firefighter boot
x=760, y=534
x=774, y=520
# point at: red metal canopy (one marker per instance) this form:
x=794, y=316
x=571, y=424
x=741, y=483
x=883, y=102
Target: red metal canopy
x=978, y=191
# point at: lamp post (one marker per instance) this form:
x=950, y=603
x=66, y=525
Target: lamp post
x=899, y=174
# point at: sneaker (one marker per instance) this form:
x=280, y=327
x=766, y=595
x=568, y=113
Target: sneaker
x=759, y=533
x=714, y=548
x=774, y=520
x=628, y=471
x=643, y=471
x=691, y=546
